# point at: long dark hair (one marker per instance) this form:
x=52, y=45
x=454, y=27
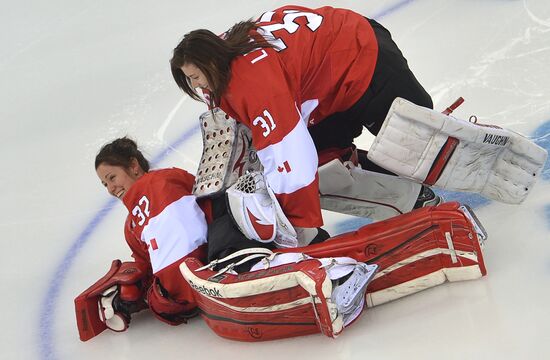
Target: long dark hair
x=213, y=55
x=121, y=152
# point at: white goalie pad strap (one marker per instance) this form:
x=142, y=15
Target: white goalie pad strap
x=351, y=190
x=250, y=251
x=336, y=267
x=227, y=153
x=437, y=149
x=257, y=212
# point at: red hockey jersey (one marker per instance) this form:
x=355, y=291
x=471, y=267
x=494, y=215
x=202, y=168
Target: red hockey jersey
x=165, y=225
x=322, y=64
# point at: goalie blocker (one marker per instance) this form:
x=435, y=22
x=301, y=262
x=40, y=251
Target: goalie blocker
x=96, y=308
x=415, y=251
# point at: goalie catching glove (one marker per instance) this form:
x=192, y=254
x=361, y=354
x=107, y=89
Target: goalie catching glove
x=110, y=302
x=257, y=213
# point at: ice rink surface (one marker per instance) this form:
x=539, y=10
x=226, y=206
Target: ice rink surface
x=76, y=74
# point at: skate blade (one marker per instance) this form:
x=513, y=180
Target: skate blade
x=480, y=230
x=359, y=288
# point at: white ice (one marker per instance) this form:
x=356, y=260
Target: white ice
x=76, y=74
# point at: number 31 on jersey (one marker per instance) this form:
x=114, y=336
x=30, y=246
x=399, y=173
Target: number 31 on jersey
x=266, y=122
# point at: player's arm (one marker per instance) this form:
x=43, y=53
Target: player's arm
x=174, y=230
x=170, y=297
x=283, y=143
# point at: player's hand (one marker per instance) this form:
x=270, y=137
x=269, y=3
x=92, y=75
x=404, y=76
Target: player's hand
x=118, y=303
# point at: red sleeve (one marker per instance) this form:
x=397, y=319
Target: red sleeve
x=171, y=279
x=279, y=134
x=139, y=249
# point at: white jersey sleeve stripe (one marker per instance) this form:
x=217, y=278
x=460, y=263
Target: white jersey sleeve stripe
x=174, y=233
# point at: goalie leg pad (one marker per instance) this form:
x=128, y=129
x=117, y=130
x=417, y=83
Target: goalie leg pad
x=351, y=190
x=281, y=301
x=434, y=148
x=414, y=251
x=284, y=295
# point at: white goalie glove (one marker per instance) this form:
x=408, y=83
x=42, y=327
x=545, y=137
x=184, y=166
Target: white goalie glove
x=257, y=213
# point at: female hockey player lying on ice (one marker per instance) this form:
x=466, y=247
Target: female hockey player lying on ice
x=286, y=293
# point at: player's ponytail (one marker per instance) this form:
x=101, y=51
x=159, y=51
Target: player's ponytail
x=121, y=152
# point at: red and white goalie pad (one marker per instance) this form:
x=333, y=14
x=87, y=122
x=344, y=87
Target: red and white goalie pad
x=440, y=150
x=288, y=295
x=414, y=251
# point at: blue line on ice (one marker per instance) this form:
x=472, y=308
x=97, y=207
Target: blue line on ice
x=541, y=137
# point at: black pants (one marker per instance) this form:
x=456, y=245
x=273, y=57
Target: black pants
x=224, y=238
x=392, y=78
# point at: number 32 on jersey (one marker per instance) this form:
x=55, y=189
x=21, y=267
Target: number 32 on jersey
x=141, y=210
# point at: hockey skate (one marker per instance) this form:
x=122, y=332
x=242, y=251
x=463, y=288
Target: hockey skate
x=478, y=227
x=349, y=292
x=427, y=197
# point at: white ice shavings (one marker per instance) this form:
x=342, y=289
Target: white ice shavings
x=506, y=72
x=162, y=129
x=535, y=18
